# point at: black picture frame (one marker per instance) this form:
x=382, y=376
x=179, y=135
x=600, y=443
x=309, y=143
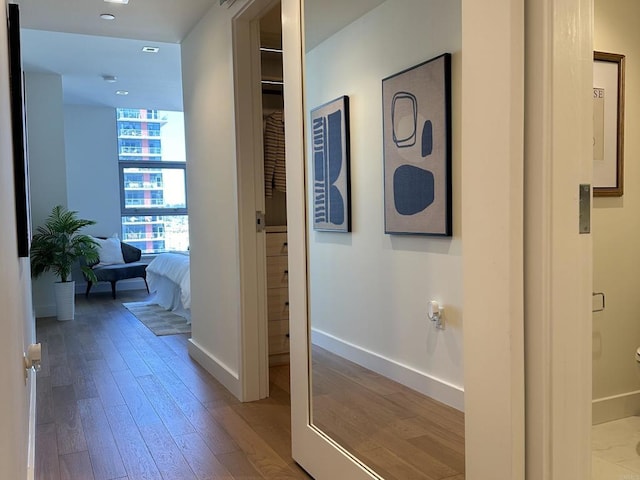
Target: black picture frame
x=19, y=133
x=417, y=143
x=331, y=169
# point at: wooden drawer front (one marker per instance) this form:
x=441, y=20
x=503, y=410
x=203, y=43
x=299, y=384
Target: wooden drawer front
x=278, y=337
x=278, y=303
x=278, y=327
x=278, y=344
x=277, y=272
x=276, y=244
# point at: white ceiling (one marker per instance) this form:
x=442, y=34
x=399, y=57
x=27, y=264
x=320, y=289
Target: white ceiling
x=68, y=38
x=323, y=18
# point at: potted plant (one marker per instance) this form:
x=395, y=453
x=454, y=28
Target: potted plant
x=57, y=246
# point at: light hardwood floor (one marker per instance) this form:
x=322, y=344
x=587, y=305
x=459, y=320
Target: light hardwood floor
x=116, y=402
x=399, y=433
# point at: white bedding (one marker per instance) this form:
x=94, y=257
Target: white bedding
x=168, y=277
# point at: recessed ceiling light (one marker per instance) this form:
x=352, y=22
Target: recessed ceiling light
x=122, y=92
x=123, y=2
x=107, y=16
x=109, y=78
x=150, y=49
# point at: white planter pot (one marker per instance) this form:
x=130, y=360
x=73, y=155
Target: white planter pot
x=65, y=293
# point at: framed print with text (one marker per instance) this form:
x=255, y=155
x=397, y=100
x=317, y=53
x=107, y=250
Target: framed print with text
x=608, y=124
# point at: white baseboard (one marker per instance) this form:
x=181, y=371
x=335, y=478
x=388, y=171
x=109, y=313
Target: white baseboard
x=31, y=452
x=42, y=311
x=126, y=284
x=216, y=368
x=424, y=383
x=615, y=407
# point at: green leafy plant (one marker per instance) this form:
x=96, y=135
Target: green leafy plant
x=57, y=245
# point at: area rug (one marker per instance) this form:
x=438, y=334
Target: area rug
x=157, y=319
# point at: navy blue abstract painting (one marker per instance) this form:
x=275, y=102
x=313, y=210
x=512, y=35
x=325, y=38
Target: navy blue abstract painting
x=417, y=149
x=330, y=156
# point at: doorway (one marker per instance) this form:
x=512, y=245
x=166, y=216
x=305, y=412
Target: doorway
x=275, y=199
x=262, y=194
x=616, y=329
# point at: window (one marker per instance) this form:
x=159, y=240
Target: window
x=153, y=173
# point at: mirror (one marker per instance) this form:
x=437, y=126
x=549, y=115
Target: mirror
x=386, y=382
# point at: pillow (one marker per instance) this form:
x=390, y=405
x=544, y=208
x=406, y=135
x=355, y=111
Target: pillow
x=109, y=251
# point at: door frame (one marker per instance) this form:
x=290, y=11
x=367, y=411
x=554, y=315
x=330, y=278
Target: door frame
x=492, y=237
x=527, y=269
x=254, y=347
x=315, y=452
x=558, y=260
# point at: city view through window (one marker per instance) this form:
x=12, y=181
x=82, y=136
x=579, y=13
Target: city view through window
x=153, y=192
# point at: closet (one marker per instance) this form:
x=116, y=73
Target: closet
x=275, y=187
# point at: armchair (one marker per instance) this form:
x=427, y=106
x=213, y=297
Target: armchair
x=131, y=268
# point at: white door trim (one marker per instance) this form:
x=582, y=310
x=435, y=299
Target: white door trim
x=492, y=237
x=317, y=454
x=254, y=361
x=558, y=260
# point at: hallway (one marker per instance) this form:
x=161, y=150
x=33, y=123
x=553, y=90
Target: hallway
x=116, y=402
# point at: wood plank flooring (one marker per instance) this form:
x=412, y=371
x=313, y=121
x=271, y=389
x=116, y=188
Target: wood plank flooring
x=399, y=433
x=115, y=402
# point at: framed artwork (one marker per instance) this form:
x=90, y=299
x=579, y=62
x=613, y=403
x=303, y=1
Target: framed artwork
x=20, y=164
x=608, y=124
x=331, y=175
x=416, y=114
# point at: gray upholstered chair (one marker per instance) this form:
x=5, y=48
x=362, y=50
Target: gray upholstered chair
x=131, y=268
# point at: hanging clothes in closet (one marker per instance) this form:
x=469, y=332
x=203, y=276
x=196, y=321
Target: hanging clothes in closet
x=274, y=158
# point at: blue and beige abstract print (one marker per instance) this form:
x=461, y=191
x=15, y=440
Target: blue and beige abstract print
x=417, y=149
x=330, y=154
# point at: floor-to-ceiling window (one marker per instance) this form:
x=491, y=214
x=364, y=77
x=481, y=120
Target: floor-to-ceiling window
x=153, y=192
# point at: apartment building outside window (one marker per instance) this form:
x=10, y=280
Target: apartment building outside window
x=153, y=186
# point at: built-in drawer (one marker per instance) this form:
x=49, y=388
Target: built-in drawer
x=278, y=344
x=276, y=244
x=278, y=328
x=278, y=303
x=277, y=272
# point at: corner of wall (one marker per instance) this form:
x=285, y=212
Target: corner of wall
x=216, y=368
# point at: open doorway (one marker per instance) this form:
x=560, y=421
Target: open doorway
x=275, y=201
x=616, y=330
x=262, y=196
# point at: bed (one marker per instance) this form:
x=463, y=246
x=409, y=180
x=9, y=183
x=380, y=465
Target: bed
x=170, y=283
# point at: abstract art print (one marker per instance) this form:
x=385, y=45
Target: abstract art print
x=330, y=156
x=416, y=107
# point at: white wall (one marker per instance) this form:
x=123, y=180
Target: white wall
x=47, y=169
x=93, y=184
x=14, y=297
x=370, y=289
x=73, y=162
x=213, y=205
x=92, y=166
x=616, y=228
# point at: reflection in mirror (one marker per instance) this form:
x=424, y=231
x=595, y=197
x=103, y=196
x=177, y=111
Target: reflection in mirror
x=386, y=381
